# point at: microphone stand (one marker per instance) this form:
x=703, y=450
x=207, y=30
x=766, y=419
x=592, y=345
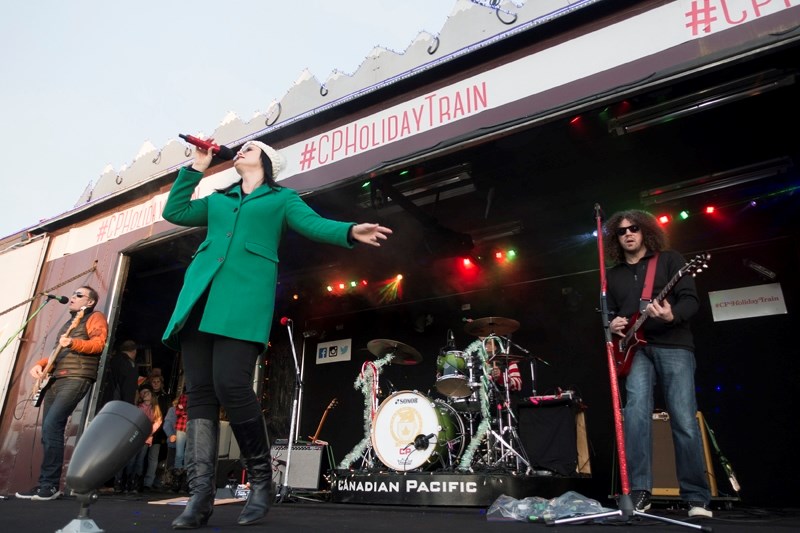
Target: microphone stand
x=283, y=492
x=24, y=324
x=624, y=503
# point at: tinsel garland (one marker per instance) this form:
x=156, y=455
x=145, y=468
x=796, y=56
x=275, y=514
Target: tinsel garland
x=365, y=382
x=478, y=348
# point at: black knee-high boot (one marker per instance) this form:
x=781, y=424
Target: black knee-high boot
x=202, y=449
x=254, y=446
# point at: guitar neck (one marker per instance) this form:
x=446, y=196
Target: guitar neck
x=51, y=361
x=322, y=420
x=689, y=267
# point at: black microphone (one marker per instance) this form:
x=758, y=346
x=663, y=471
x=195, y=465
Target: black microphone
x=222, y=151
x=285, y=321
x=59, y=299
x=421, y=441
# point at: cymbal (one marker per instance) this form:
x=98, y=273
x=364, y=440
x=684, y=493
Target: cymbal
x=500, y=357
x=483, y=327
x=403, y=353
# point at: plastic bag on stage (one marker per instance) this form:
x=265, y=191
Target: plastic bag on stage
x=508, y=508
x=535, y=508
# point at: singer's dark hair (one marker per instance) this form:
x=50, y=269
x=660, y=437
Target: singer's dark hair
x=654, y=237
x=269, y=179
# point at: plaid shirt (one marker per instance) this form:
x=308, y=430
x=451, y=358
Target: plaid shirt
x=181, y=415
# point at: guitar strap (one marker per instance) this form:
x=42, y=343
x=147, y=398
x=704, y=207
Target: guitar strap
x=647, y=289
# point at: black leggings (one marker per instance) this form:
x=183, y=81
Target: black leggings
x=218, y=371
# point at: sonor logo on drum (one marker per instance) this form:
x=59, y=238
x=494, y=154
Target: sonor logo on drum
x=408, y=400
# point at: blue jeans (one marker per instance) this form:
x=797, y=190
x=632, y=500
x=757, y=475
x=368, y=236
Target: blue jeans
x=61, y=398
x=152, y=465
x=674, y=369
x=180, y=448
x=137, y=462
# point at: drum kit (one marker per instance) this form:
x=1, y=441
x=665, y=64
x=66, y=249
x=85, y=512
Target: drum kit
x=412, y=431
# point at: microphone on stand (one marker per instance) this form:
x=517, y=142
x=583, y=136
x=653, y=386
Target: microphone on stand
x=59, y=299
x=421, y=441
x=222, y=151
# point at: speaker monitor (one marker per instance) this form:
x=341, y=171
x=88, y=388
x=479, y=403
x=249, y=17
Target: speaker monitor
x=665, y=480
x=305, y=465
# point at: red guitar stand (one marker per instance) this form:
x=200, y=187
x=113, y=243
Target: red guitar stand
x=625, y=511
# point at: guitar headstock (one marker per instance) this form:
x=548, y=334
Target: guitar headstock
x=697, y=264
x=333, y=404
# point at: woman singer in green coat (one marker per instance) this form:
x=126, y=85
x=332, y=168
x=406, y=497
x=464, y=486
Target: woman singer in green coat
x=222, y=319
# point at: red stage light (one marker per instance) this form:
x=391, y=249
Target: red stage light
x=664, y=219
x=710, y=210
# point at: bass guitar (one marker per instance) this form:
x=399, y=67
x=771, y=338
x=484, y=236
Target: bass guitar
x=331, y=405
x=625, y=347
x=44, y=382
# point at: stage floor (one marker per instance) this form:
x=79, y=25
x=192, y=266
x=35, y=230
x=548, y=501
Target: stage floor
x=114, y=513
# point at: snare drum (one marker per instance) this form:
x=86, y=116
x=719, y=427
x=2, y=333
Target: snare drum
x=406, y=415
x=467, y=404
x=455, y=373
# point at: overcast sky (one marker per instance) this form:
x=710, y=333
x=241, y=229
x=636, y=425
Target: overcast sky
x=85, y=83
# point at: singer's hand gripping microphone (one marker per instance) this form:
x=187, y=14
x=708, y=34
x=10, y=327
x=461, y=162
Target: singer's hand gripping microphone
x=222, y=151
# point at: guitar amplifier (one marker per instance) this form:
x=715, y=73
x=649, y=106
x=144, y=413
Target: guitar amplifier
x=552, y=430
x=305, y=465
x=665, y=480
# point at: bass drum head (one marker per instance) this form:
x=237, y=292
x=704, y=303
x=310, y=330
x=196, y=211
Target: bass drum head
x=404, y=416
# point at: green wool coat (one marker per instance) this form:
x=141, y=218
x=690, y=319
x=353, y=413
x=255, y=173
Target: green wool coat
x=238, y=260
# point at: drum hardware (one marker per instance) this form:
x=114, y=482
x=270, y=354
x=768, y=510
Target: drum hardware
x=403, y=354
x=512, y=450
x=532, y=360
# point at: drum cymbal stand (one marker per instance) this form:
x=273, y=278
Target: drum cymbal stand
x=511, y=450
x=511, y=447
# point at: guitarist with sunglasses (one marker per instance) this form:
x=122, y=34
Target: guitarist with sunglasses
x=663, y=352
x=62, y=380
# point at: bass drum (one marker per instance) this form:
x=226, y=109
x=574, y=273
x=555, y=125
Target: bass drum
x=412, y=431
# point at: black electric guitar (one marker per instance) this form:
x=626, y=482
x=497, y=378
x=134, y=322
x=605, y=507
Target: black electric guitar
x=44, y=382
x=625, y=348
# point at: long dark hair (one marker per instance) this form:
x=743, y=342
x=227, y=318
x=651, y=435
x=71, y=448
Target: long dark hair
x=269, y=179
x=654, y=237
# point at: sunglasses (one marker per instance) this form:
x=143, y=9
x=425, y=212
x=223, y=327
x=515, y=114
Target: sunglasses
x=80, y=295
x=622, y=231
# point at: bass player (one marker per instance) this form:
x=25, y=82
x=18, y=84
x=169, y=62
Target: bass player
x=62, y=380
x=665, y=355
